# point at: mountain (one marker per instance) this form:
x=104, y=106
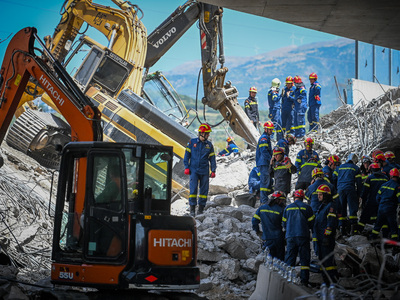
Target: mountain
x=327, y=59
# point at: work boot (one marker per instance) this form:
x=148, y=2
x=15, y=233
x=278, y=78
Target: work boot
x=343, y=230
x=201, y=209
x=193, y=210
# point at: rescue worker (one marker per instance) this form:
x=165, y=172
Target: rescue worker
x=391, y=158
x=251, y=107
x=230, y=148
x=281, y=170
x=325, y=230
x=288, y=105
x=199, y=157
x=331, y=163
x=388, y=198
x=307, y=153
x=305, y=174
x=375, y=153
x=385, y=165
x=298, y=220
x=369, y=192
x=263, y=160
x=300, y=108
x=270, y=216
x=364, y=168
x=314, y=103
x=284, y=143
x=349, y=187
x=274, y=103
x=254, y=181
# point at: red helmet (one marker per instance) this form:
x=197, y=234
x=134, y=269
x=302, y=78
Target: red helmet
x=298, y=194
x=389, y=155
x=229, y=139
x=269, y=125
x=374, y=166
x=376, y=152
x=297, y=79
x=278, y=195
x=278, y=150
x=334, y=159
x=394, y=173
x=379, y=157
x=290, y=136
x=309, y=141
x=317, y=172
x=253, y=89
x=313, y=76
x=289, y=79
x=204, y=128
x=323, y=188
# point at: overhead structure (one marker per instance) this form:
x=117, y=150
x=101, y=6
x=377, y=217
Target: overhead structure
x=374, y=22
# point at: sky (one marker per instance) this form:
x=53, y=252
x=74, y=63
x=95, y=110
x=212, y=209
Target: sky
x=244, y=34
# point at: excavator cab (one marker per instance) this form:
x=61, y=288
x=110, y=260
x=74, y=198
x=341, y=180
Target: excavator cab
x=113, y=226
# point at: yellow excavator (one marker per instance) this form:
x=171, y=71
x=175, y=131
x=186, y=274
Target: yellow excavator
x=114, y=77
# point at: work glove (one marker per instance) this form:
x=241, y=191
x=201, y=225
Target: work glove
x=212, y=175
x=318, y=99
x=187, y=172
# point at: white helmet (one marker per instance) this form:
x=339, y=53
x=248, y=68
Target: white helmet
x=276, y=83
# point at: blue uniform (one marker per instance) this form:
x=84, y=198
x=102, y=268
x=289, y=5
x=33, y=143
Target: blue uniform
x=314, y=103
x=349, y=187
x=328, y=173
x=312, y=195
x=388, y=198
x=282, y=174
x=251, y=110
x=263, y=160
x=368, y=195
x=274, y=102
x=284, y=143
x=298, y=219
x=300, y=108
x=386, y=169
x=287, y=109
x=254, y=180
x=304, y=156
x=271, y=223
x=230, y=148
x=324, y=231
x=199, y=157
x=305, y=174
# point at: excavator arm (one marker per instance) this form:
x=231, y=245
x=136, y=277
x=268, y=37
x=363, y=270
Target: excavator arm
x=217, y=94
x=20, y=64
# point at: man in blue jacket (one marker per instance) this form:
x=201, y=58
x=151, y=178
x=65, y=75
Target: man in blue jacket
x=287, y=141
x=251, y=107
x=298, y=220
x=349, y=187
x=306, y=154
x=314, y=102
x=332, y=162
x=199, y=158
x=389, y=199
x=263, y=160
x=274, y=103
x=300, y=108
x=288, y=106
x=230, y=148
x=254, y=181
x=270, y=216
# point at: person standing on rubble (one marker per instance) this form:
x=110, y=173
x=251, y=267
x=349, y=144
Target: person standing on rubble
x=388, y=198
x=306, y=160
x=369, y=205
x=325, y=231
x=199, y=158
x=384, y=163
x=349, y=187
x=391, y=158
x=288, y=106
x=307, y=153
x=270, y=216
x=331, y=163
x=298, y=220
x=254, y=182
x=287, y=141
x=300, y=108
x=230, y=148
x=314, y=103
x=281, y=170
x=364, y=168
x=251, y=107
x=263, y=160
x=274, y=103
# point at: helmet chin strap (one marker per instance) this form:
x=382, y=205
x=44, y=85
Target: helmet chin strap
x=203, y=135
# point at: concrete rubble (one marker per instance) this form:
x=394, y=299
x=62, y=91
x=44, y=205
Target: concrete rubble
x=229, y=253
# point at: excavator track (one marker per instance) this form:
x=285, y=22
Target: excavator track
x=38, y=135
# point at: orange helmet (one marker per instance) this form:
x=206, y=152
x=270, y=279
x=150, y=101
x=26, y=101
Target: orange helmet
x=269, y=125
x=394, y=173
x=229, y=139
x=278, y=150
x=298, y=194
x=309, y=141
x=278, y=195
x=334, y=159
x=204, y=127
x=297, y=79
x=379, y=157
x=313, y=76
x=253, y=89
x=374, y=166
x=317, y=172
x=289, y=79
x=323, y=188
x=389, y=155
